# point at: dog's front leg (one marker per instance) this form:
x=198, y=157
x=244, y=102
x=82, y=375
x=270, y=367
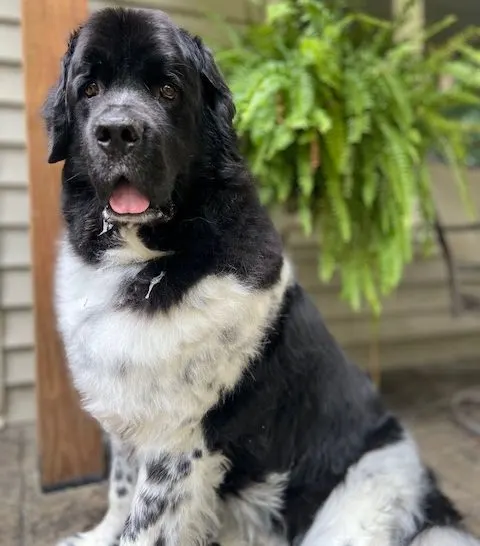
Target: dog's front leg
x=175, y=502
x=123, y=476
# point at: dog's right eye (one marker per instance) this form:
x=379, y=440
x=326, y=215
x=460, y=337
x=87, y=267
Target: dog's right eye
x=91, y=90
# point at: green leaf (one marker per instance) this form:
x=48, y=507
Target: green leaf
x=301, y=100
x=279, y=11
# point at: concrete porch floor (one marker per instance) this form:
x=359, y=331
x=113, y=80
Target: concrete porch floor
x=420, y=397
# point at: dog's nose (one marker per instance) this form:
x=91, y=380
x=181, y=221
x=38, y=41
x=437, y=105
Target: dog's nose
x=118, y=135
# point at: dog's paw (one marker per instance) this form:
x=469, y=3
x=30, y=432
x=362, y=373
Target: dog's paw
x=88, y=539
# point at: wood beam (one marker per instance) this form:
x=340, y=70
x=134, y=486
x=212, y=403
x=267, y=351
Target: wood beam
x=69, y=442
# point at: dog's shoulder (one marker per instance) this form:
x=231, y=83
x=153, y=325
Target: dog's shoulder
x=303, y=400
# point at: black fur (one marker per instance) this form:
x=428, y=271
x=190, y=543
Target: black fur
x=150, y=508
x=302, y=408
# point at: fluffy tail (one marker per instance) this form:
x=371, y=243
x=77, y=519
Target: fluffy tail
x=444, y=536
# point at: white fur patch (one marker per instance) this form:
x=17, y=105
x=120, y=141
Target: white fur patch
x=380, y=494
x=132, y=250
x=443, y=536
x=150, y=378
x=246, y=518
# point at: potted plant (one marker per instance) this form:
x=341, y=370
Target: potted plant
x=338, y=113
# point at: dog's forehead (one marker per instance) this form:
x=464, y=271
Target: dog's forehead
x=130, y=33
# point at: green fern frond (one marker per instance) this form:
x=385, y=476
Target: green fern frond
x=338, y=115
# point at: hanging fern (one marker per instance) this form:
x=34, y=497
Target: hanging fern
x=337, y=116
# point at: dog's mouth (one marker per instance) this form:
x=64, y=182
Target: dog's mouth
x=128, y=205
x=126, y=199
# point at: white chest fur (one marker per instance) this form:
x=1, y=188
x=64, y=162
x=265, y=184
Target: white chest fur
x=152, y=378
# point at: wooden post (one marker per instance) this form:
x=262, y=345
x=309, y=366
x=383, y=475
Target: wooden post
x=70, y=444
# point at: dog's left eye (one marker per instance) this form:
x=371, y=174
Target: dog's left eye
x=168, y=91
x=91, y=90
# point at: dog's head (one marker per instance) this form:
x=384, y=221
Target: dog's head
x=135, y=105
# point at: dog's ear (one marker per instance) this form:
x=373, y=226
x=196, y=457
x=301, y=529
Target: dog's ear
x=218, y=94
x=55, y=110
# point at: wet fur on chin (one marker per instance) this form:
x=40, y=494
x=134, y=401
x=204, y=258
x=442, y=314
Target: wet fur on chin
x=234, y=414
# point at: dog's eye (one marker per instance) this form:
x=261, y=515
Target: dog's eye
x=168, y=91
x=91, y=90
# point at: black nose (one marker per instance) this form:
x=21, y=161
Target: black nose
x=118, y=135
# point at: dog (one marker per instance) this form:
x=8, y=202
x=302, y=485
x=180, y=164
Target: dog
x=234, y=416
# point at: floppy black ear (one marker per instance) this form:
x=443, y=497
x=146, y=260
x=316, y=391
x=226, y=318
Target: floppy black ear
x=55, y=111
x=217, y=92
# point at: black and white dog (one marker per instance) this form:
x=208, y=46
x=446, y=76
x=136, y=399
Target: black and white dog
x=235, y=418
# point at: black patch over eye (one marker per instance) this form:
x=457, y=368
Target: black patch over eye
x=91, y=89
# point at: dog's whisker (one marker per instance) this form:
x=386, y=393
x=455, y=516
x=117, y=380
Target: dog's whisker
x=72, y=177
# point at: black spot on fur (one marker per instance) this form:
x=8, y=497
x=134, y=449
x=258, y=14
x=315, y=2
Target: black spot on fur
x=153, y=507
x=184, y=467
x=130, y=530
x=176, y=501
x=229, y=335
x=197, y=454
x=160, y=541
x=167, y=469
x=122, y=491
x=188, y=372
x=147, y=514
x=157, y=471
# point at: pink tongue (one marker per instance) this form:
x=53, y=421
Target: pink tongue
x=127, y=200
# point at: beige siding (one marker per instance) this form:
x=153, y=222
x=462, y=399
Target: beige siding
x=14, y=248
x=10, y=43
x=13, y=167
x=13, y=207
x=16, y=289
x=11, y=86
x=20, y=403
x=12, y=126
